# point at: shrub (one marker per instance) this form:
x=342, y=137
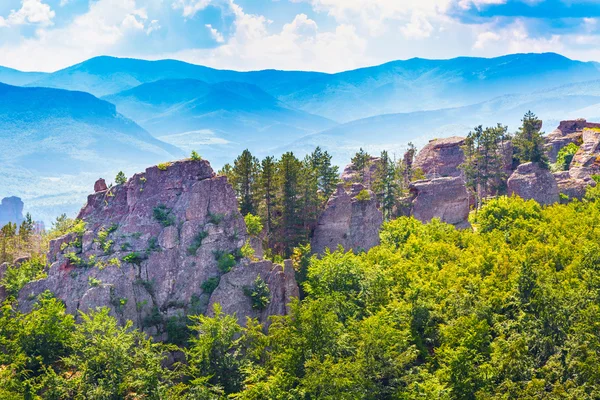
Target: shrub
x=363, y=195
x=93, y=282
x=195, y=156
x=209, y=285
x=215, y=218
x=17, y=277
x=247, y=251
x=164, y=166
x=120, y=178
x=225, y=261
x=163, y=215
x=133, y=258
x=152, y=245
x=565, y=156
x=193, y=248
x=75, y=260
x=506, y=213
x=259, y=293
x=253, y=224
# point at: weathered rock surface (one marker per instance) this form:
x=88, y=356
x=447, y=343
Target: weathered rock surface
x=572, y=187
x=11, y=210
x=586, y=161
x=100, y=185
x=148, y=247
x=530, y=181
x=347, y=221
x=444, y=198
x=567, y=132
x=441, y=157
x=230, y=292
x=350, y=175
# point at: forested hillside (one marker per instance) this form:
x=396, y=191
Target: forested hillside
x=508, y=310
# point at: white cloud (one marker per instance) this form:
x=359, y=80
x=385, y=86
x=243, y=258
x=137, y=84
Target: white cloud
x=31, y=12
x=190, y=7
x=484, y=38
x=468, y=4
x=215, y=34
x=418, y=27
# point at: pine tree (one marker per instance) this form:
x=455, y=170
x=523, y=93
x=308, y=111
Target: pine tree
x=406, y=165
x=529, y=141
x=289, y=168
x=268, y=188
x=327, y=174
x=309, y=192
x=120, y=178
x=244, y=178
x=484, y=161
x=386, y=184
x=360, y=163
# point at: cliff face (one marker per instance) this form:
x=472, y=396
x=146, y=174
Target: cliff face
x=349, y=221
x=11, y=210
x=157, y=248
x=441, y=157
x=443, y=198
x=566, y=132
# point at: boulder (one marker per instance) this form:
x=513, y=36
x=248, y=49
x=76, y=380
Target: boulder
x=572, y=187
x=351, y=222
x=441, y=157
x=567, y=132
x=150, y=249
x=586, y=162
x=530, y=181
x=100, y=186
x=444, y=198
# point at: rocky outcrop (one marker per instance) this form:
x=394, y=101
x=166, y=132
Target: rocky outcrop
x=155, y=248
x=586, y=162
x=348, y=221
x=11, y=210
x=566, y=132
x=530, y=181
x=100, y=186
x=571, y=187
x=443, y=198
x=230, y=293
x=441, y=157
x=351, y=175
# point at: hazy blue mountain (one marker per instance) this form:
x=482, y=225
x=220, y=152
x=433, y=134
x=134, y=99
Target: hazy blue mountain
x=104, y=75
x=399, y=86
x=14, y=77
x=217, y=119
x=55, y=143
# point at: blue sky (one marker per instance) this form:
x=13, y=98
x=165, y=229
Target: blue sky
x=323, y=35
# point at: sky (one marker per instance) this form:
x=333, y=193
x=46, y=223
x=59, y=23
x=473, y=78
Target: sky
x=319, y=35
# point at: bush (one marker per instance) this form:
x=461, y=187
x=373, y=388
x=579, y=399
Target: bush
x=209, y=285
x=565, y=156
x=133, y=258
x=506, y=213
x=259, y=293
x=164, y=166
x=363, y=195
x=253, y=224
x=163, y=215
x=120, y=178
x=225, y=261
x=215, y=218
x=195, y=156
x=193, y=248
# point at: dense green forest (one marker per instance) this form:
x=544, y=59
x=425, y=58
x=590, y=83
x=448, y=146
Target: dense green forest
x=508, y=310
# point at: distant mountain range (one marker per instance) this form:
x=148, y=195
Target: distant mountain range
x=111, y=113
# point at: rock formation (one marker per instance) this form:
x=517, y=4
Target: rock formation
x=444, y=198
x=349, y=221
x=572, y=187
x=441, y=157
x=530, y=181
x=11, y=210
x=586, y=161
x=567, y=132
x=158, y=248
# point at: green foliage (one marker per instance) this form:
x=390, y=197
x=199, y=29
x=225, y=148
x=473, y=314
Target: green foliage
x=120, y=179
x=164, y=166
x=195, y=156
x=164, y=215
x=247, y=251
x=363, y=195
x=94, y=282
x=259, y=294
x=197, y=242
x=15, y=277
x=215, y=218
x=134, y=258
x=506, y=213
x=243, y=177
x=209, y=285
x=565, y=156
x=253, y=224
x=529, y=141
x=225, y=261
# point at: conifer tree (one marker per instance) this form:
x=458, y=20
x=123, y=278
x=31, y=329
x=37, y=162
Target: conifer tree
x=244, y=179
x=360, y=163
x=120, y=178
x=289, y=170
x=529, y=141
x=386, y=184
x=268, y=188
